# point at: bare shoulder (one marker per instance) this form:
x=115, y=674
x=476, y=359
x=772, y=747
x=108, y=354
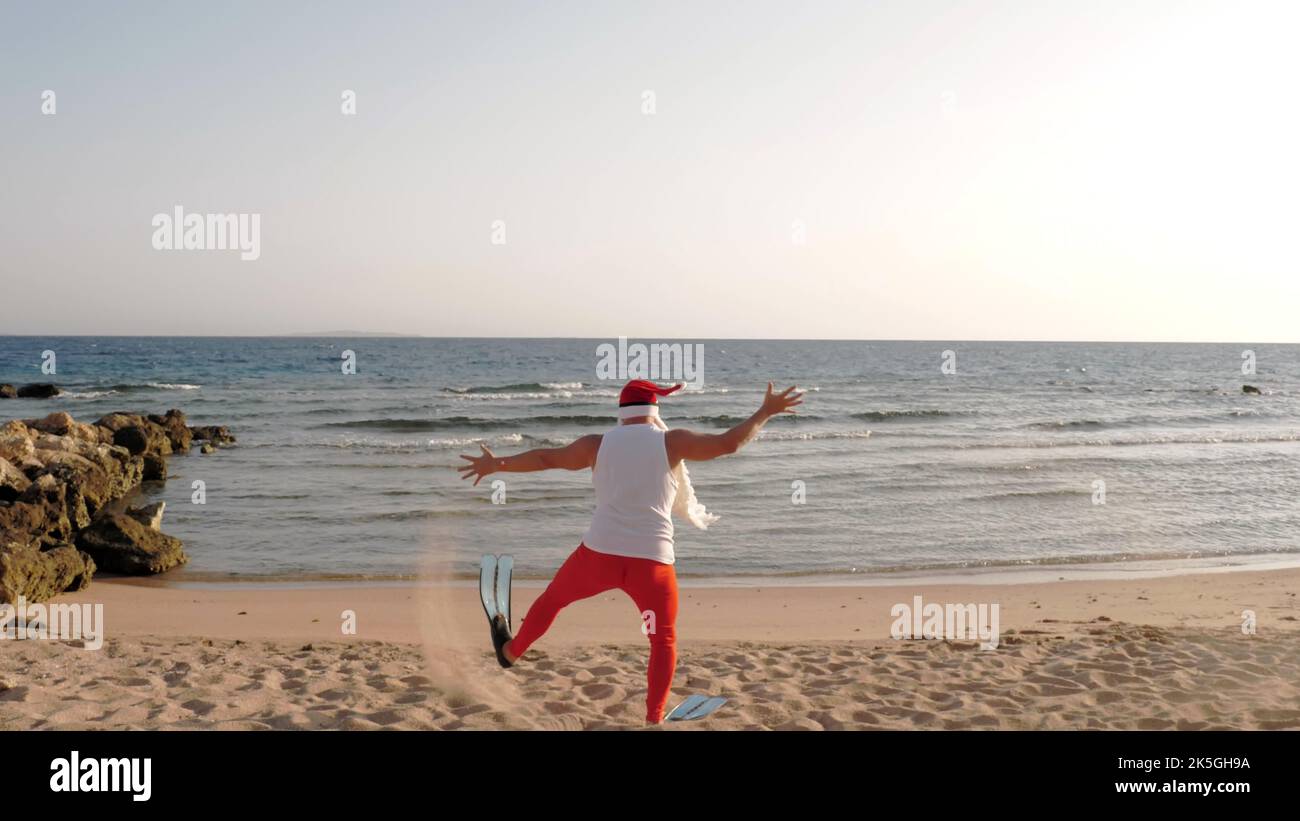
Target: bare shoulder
x=589, y=445
x=679, y=442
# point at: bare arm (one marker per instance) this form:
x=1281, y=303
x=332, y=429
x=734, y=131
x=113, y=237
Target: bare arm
x=700, y=447
x=577, y=455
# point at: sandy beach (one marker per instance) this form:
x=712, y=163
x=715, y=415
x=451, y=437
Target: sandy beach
x=1141, y=653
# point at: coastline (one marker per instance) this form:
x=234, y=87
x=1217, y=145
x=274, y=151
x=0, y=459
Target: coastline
x=406, y=612
x=992, y=574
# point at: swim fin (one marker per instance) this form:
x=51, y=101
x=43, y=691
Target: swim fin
x=494, y=593
x=695, y=707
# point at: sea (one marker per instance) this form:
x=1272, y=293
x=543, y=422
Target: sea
x=905, y=456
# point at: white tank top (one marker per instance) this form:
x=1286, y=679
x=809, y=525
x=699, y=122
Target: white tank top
x=634, y=495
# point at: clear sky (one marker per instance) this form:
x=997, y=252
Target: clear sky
x=1026, y=170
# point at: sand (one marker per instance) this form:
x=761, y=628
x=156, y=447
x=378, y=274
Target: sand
x=1119, y=653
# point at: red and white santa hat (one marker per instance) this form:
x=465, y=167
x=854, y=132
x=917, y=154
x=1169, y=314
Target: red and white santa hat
x=640, y=397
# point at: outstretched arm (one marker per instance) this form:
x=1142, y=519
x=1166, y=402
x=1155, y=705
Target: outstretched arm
x=700, y=447
x=579, y=454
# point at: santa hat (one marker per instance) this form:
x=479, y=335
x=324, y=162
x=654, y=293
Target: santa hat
x=641, y=398
x=643, y=392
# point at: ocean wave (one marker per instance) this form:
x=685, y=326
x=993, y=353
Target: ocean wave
x=507, y=439
x=726, y=420
x=516, y=387
x=133, y=387
x=1141, y=420
x=1222, y=438
x=587, y=395
x=169, y=386
x=88, y=394
x=790, y=436
x=515, y=438
x=540, y=421
x=510, y=397
x=370, y=443
x=472, y=422
x=894, y=415
x=1062, y=424
x=562, y=390
x=413, y=515
x=1030, y=494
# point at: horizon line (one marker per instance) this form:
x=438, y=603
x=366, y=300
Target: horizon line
x=660, y=340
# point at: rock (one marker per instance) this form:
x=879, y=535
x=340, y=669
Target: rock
x=206, y=448
x=116, y=421
x=120, y=544
x=8, y=392
x=1251, y=389
x=12, y=481
x=16, y=442
x=39, y=516
x=75, y=462
x=174, y=427
x=58, y=423
x=37, y=575
x=62, y=424
x=216, y=434
x=141, y=439
x=155, y=468
x=48, y=441
x=150, y=515
x=99, y=473
x=42, y=390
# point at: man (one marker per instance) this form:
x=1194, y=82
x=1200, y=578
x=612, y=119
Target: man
x=640, y=480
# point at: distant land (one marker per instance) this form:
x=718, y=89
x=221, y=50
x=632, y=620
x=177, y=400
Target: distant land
x=352, y=333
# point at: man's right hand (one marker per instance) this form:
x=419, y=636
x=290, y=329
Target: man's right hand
x=776, y=403
x=700, y=447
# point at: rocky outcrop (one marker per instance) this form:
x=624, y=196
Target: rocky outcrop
x=215, y=435
x=42, y=390
x=8, y=392
x=120, y=544
x=62, y=483
x=36, y=575
x=1250, y=389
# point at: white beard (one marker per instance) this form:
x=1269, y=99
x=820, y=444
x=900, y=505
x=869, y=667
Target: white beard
x=685, y=505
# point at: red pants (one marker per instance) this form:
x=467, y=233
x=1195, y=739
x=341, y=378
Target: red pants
x=653, y=588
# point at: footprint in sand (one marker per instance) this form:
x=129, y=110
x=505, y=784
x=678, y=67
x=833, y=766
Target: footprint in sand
x=599, y=692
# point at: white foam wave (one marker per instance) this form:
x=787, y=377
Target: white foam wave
x=89, y=394
x=789, y=436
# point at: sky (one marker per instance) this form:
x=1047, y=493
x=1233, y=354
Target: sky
x=855, y=170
